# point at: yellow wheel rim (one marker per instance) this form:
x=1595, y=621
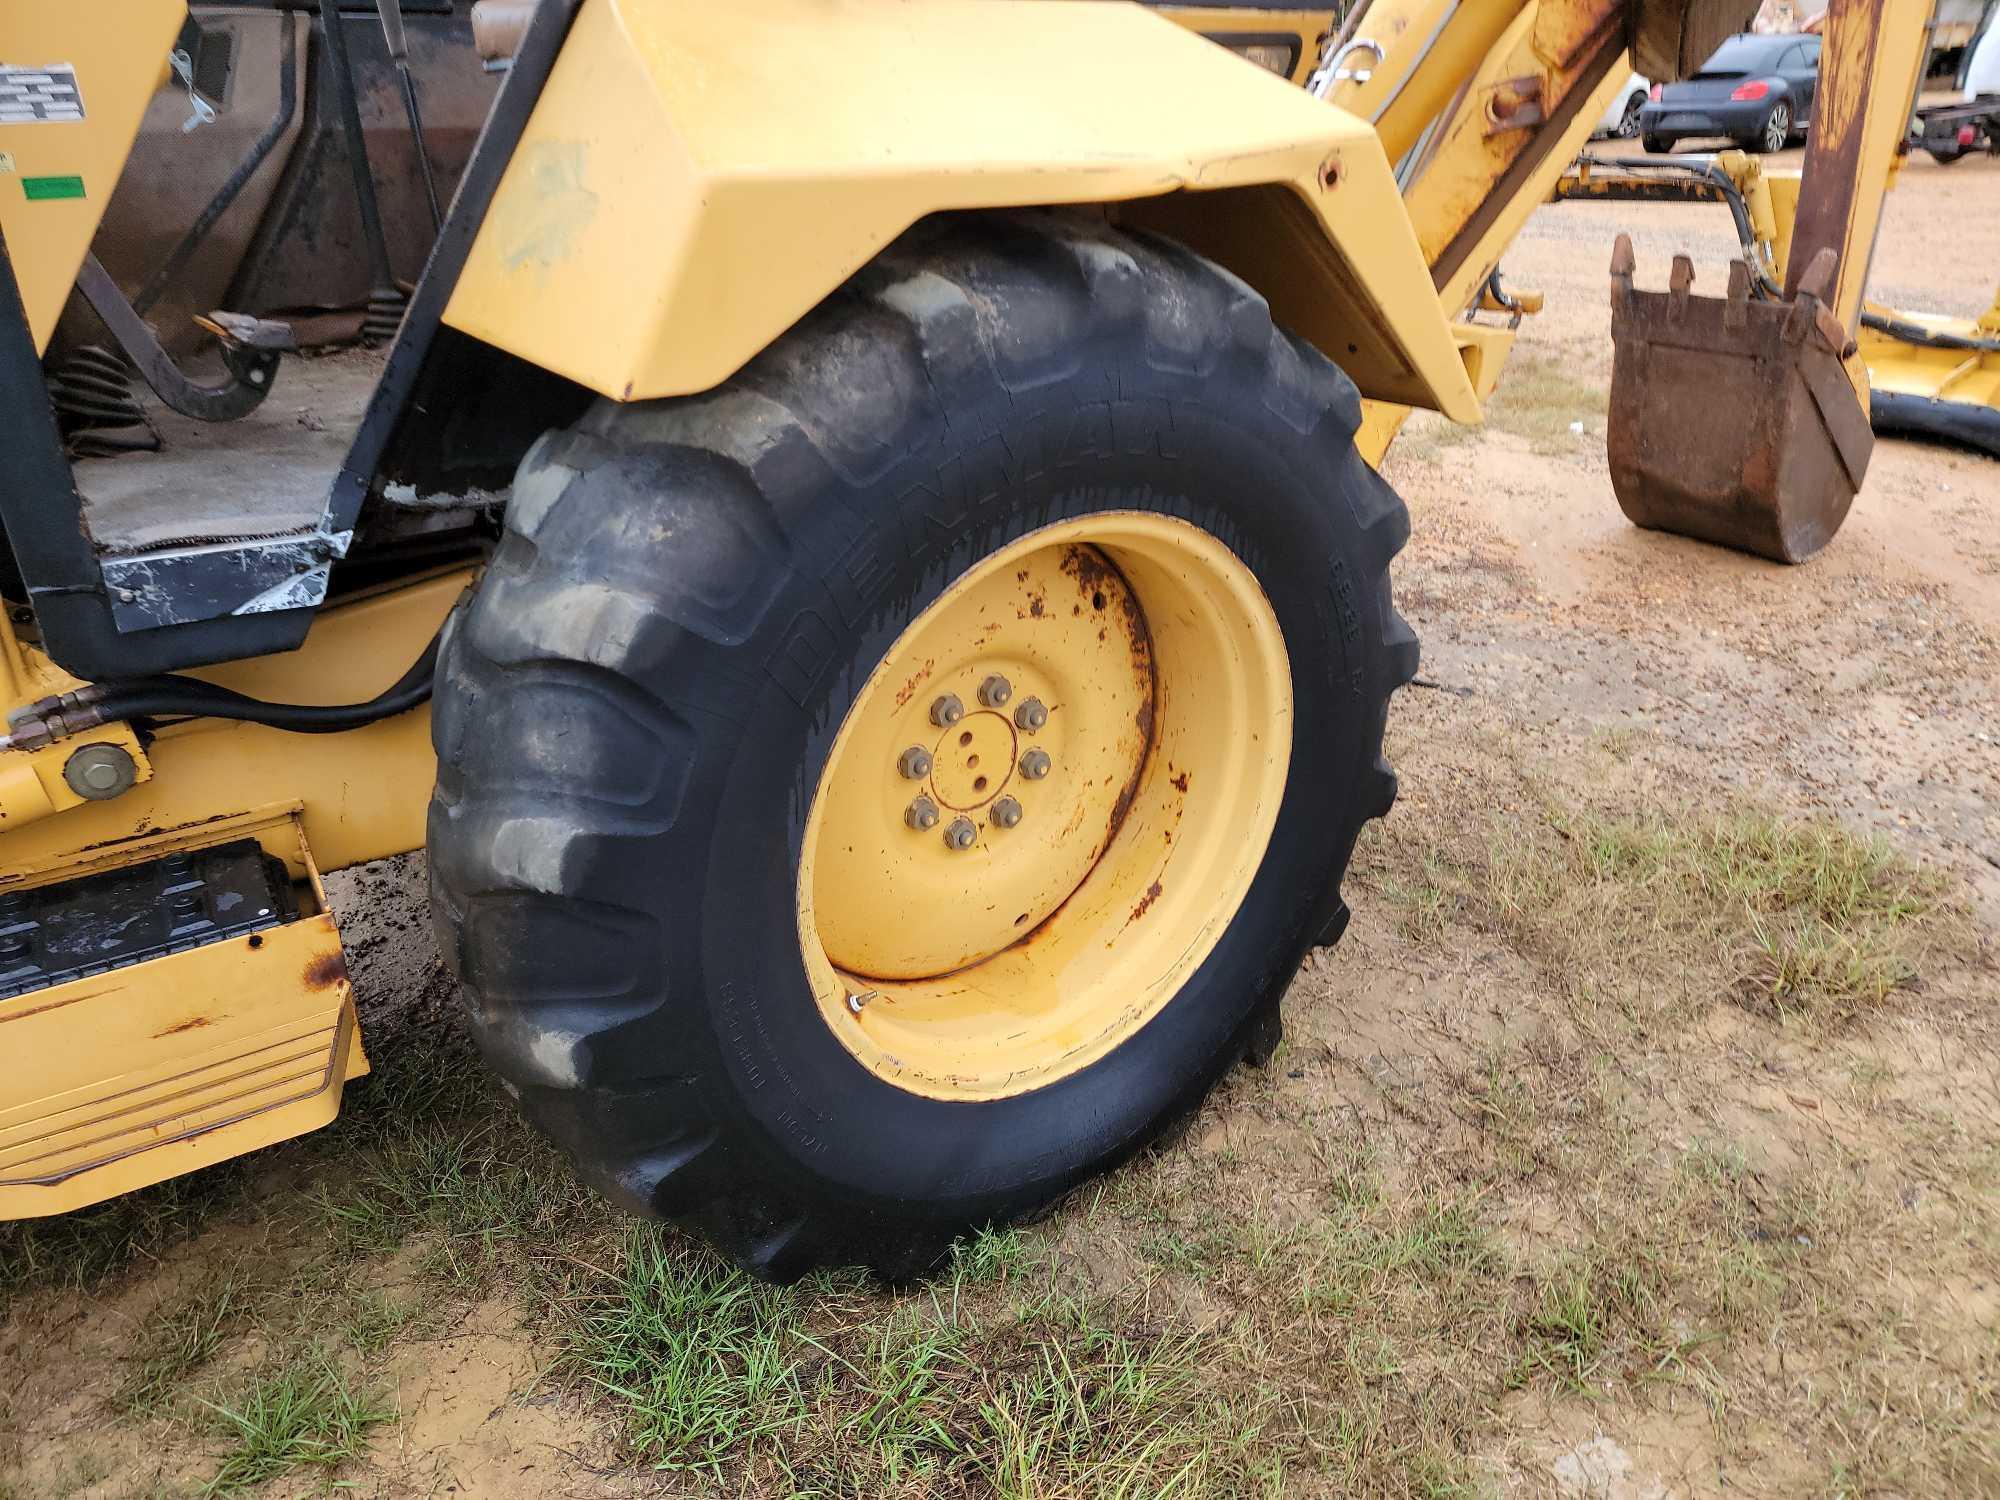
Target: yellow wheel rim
x=993, y=898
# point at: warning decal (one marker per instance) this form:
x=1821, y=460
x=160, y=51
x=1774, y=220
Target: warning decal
x=48, y=95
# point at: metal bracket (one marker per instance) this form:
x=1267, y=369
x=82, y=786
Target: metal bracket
x=1333, y=70
x=181, y=584
x=1515, y=104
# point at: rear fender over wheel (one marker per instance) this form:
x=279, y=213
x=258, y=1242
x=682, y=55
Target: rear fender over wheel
x=703, y=933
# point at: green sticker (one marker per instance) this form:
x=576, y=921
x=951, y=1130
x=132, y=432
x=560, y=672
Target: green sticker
x=38, y=188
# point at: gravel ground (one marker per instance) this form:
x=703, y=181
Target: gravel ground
x=1862, y=684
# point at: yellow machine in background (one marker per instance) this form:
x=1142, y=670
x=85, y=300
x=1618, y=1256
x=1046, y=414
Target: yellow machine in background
x=882, y=496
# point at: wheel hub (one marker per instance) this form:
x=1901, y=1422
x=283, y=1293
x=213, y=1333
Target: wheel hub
x=916, y=898
x=973, y=760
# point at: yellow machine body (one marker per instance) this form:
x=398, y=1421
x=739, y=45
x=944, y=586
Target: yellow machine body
x=78, y=83
x=145, y=1072
x=151, y=1070
x=696, y=178
x=1944, y=371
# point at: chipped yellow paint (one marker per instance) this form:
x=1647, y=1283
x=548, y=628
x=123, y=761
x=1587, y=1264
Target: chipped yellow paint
x=1861, y=113
x=363, y=793
x=31, y=782
x=146, y=1072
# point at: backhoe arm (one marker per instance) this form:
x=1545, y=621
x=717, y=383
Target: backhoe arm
x=1868, y=81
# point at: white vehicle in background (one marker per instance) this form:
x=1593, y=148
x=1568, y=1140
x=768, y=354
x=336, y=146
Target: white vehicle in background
x=1621, y=116
x=1979, y=73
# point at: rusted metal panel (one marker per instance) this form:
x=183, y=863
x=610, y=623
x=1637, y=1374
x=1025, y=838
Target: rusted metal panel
x=1516, y=104
x=1860, y=116
x=1733, y=420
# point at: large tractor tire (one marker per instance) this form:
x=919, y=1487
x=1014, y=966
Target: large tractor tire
x=879, y=794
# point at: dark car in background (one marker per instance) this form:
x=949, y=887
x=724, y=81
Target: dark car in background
x=1757, y=90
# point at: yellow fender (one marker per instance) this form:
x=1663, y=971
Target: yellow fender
x=695, y=178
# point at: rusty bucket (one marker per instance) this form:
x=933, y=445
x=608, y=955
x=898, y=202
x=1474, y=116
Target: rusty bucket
x=1733, y=420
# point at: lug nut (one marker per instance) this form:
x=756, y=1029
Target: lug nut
x=914, y=763
x=995, y=691
x=921, y=815
x=960, y=834
x=947, y=711
x=1031, y=715
x=1035, y=764
x=1006, y=813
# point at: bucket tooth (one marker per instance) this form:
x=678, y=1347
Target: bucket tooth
x=1680, y=282
x=1816, y=281
x=1736, y=310
x=1734, y=419
x=1623, y=262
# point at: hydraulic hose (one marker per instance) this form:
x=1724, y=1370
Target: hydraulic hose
x=187, y=697
x=1929, y=338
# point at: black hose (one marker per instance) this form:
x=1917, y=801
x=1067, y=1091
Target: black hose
x=1961, y=422
x=1732, y=198
x=1928, y=338
x=155, y=697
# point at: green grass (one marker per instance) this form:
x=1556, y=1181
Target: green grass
x=1071, y=1403
x=990, y=1255
x=1584, y=1308
x=368, y=1321
x=993, y=1379
x=1359, y=1293
x=82, y=1248
x=706, y=1362
x=301, y=1412
x=478, y=1191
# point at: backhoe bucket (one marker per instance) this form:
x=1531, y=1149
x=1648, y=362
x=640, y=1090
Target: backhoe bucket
x=1733, y=420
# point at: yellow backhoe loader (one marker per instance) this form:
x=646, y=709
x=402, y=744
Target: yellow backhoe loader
x=863, y=567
